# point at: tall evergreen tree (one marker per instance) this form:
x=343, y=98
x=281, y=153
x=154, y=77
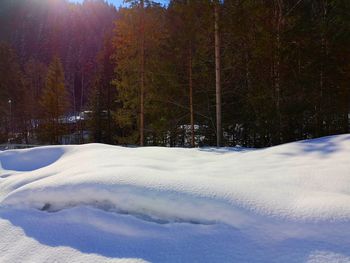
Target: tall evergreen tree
x=137, y=62
x=102, y=97
x=54, y=102
x=13, y=111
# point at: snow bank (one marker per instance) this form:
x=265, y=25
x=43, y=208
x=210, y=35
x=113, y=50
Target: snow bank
x=297, y=191
x=306, y=181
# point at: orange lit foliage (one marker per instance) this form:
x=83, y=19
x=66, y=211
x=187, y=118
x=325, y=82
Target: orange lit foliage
x=127, y=57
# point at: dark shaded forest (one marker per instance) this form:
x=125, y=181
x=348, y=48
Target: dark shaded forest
x=148, y=74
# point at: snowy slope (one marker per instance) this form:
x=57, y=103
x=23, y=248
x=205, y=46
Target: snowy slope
x=98, y=203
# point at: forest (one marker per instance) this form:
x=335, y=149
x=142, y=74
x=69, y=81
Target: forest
x=156, y=74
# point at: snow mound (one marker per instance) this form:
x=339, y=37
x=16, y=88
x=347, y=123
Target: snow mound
x=289, y=203
x=191, y=185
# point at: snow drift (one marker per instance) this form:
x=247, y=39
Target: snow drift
x=294, y=191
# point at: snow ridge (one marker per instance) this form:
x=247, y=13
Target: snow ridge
x=296, y=194
x=185, y=184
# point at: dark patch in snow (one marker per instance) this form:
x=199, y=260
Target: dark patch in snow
x=46, y=207
x=108, y=207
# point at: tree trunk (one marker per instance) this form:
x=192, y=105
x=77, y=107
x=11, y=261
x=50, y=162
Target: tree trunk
x=74, y=104
x=109, y=132
x=142, y=73
x=190, y=83
x=319, y=113
x=277, y=86
x=82, y=91
x=218, y=77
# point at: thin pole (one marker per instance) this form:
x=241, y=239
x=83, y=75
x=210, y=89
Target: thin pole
x=218, y=77
x=10, y=123
x=191, y=94
x=142, y=75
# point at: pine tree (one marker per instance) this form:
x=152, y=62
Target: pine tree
x=137, y=69
x=13, y=108
x=102, y=97
x=34, y=79
x=54, y=102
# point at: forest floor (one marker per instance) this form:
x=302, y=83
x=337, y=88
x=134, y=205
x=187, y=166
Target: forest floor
x=99, y=203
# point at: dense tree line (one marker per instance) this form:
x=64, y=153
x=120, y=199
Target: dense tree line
x=34, y=33
x=150, y=76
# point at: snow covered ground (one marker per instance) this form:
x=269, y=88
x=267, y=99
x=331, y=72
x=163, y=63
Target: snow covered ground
x=98, y=203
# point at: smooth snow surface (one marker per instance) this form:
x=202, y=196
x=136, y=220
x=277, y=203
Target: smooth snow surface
x=98, y=203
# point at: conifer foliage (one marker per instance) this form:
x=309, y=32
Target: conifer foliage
x=54, y=102
x=186, y=73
